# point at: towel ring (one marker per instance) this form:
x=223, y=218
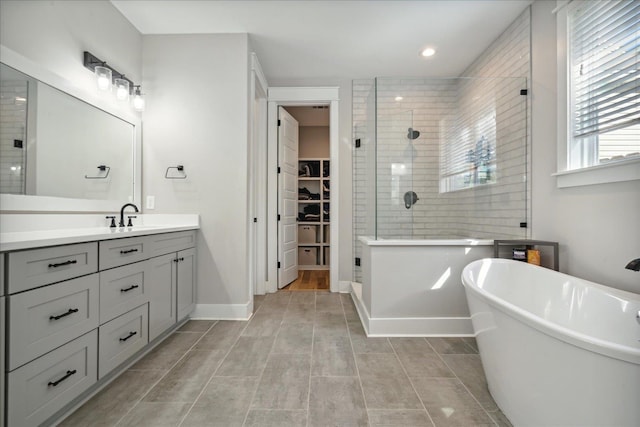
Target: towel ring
x=179, y=168
x=102, y=169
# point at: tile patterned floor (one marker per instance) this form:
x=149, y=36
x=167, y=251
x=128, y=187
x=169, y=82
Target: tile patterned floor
x=302, y=360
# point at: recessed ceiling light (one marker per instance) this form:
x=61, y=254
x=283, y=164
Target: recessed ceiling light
x=428, y=52
x=399, y=98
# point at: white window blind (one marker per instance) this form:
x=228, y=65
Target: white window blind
x=604, y=42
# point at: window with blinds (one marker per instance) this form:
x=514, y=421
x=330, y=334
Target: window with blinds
x=604, y=49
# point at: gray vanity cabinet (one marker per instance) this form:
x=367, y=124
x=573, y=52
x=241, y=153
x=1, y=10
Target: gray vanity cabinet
x=186, y=282
x=162, y=294
x=121, y=338
x=2, y=314
x=45, y=318
x=42, y=387
x=76, y=313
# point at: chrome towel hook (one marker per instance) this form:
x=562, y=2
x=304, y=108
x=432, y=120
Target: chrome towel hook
x=179, y=168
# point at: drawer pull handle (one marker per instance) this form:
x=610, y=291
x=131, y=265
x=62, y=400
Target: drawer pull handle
x=55, y=383
x=130, y=288
x=60, y=264
x=128, y=251
x=128, y=336
x=178, y=259
x=60, y=316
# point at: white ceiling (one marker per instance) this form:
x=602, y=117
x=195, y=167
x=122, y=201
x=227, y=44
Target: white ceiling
x=328, y=40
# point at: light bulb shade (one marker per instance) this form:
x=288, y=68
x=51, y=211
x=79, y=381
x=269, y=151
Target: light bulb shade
x=138, y=101
x=122, y=89
x=103, y=78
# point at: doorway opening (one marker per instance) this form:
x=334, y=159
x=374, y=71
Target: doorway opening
x=305, y=208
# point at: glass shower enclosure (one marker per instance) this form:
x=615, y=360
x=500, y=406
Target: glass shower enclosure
x=440, y=159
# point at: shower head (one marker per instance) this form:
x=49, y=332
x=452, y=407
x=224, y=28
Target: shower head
x=413, y=134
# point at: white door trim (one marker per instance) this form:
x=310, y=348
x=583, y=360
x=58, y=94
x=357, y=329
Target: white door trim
x=295, y=96
x=257, y=239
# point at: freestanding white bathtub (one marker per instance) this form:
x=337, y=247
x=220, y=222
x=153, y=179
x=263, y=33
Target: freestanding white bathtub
x=556, y=350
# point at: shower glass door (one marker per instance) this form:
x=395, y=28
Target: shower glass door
x=395, y=153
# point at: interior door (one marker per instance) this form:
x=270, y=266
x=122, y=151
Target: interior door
x=288, y=198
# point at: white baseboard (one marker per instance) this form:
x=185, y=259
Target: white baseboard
x=410, y=326
x=223, y=311
x=344, y=286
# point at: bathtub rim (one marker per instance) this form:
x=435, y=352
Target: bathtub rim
x=562, y=333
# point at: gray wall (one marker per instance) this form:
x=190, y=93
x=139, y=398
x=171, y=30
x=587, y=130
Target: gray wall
x=197, y=116
x=597, y=225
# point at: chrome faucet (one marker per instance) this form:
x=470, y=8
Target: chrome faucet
x=121, y=224
x=634, y=265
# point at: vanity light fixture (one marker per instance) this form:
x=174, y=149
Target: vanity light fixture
x=427, y=52
x=138, y=100
x=103, y=78
x=122, y=89
x=399, y=98
x=107, y=76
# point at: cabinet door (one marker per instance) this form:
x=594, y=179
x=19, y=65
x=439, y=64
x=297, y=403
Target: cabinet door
x=186, y=282
x=161, y=288
x=2, y=360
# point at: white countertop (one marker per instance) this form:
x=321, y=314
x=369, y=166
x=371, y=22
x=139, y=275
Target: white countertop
x=35, y=231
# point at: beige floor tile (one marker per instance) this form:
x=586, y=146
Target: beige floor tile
x=400, y=418
x=384, y=383
x=468, y=367
x=114, y=401
x=284, y=383
x=294, y=339
x=450, y=345
x=411, y=345
x=247, y=358
x=197, y=326
x=155, y=415
x=222, y=336
x=223, y=403
x=167, y=353
x=332, y=356
x=336, y=401
x=449, y=403
x=424, y=365
x=276, y=418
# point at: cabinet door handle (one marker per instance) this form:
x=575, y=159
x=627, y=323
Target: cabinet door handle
x=60, y=316
x=130, y=288
x=60, y=264
x=128, y=251
x=55, y=383
x=128, y=336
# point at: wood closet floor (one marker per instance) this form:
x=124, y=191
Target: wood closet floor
x=309, y=280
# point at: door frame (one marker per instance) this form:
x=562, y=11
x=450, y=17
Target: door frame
x=301, y=96
x=257, y=161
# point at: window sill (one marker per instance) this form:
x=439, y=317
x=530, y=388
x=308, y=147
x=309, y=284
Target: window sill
x=619, y=171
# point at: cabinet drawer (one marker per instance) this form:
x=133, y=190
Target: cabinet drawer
x=117, y=252
x=172, y=242
x=121, y=338
x=39, y=389
x=122, y=289
x=30, y=269
x=45, y=318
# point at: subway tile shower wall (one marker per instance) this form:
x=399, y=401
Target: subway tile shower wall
x=490, y=211
x=12, y=127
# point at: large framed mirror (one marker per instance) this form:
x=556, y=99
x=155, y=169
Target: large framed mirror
x=62, y=149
